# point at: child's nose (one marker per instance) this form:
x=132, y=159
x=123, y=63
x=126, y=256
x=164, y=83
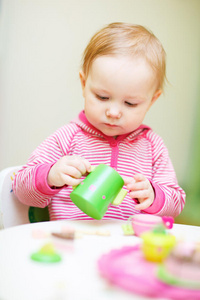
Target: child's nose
x=113, y=112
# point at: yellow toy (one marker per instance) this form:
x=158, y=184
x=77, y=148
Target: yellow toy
x=157, y=244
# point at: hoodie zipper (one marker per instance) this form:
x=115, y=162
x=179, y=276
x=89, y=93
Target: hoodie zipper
x=114, y=144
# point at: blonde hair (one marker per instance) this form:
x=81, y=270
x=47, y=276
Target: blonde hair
x=127, y=39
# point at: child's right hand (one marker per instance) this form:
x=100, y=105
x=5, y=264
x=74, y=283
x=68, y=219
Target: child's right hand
x=68, y=170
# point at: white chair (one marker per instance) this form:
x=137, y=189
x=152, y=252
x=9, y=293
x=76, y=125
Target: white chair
x=12, y=211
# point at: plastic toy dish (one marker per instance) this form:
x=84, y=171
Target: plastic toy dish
x=182, y=266
x=144, y=222
x=168, y=278
x=46, y=254
x=157, y=245
x=128, y=269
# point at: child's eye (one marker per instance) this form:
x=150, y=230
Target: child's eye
x=130, y=104
x=102, y=98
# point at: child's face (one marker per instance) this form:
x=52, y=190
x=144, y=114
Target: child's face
x=118, y=93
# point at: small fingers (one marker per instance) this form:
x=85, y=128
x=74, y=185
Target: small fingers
x=70, y=180
x=137, y=186
x=143, y=205
x=72, y=171
x=131, y=180
x=68, y=170
x=87, y=166
x=127, y=180
x=141, y=189
x=79, y=163
x=140, y=194
x=139, y=177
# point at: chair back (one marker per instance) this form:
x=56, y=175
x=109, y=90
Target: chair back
x=12, y=211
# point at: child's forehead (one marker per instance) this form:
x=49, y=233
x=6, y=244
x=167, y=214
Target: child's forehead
x=117, y=74
x=127, y=65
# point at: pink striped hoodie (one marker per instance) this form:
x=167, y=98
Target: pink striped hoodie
x=141, y=151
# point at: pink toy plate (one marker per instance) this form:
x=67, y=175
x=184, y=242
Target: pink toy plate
x=127, y=269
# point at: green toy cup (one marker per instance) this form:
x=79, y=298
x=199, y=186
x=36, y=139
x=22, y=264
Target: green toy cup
x=102, y=187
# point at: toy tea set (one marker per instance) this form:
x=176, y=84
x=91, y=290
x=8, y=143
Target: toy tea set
x=141, y=268
x=149, y=268
x=157, y=267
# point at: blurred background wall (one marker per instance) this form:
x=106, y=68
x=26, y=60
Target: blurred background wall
x=41, y=43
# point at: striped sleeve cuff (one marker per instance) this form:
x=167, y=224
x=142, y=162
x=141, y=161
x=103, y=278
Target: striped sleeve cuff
x=41, y=180
x=159, y=200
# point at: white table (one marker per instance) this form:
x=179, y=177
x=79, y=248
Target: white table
x=76, y=277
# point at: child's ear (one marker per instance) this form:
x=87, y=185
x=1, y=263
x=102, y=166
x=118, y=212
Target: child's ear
x=156, y=96
x=82, y=79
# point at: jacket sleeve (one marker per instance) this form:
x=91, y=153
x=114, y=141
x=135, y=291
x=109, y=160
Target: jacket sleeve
x=169, y=196
x=30, y=183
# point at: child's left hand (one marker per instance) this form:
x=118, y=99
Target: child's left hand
x=141, y=189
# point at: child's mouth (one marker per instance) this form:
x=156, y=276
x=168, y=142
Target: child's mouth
x=111, y=125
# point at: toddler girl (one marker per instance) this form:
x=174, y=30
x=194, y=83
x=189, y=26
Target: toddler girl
x=122, y=75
